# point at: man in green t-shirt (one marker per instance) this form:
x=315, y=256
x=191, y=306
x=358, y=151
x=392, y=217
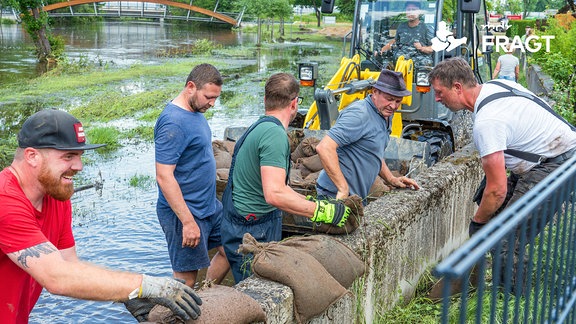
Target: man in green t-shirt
x=257, y=191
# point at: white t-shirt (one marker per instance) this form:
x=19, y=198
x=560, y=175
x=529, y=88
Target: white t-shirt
x=508, y=63
x=518, y=123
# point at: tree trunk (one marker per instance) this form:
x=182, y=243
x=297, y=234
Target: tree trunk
x=282, y=26
x=41, y=40
x=259, y=33
x=272, y=30
x=317, y=12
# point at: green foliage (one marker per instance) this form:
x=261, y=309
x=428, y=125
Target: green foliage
x=57, y=44
x=419, y=309
x=560, y=65
x=142, y=132
x=6, y=21
x=346, y=8
x=114, y=104
x=104, y=135
x=142, y=181
x=7, y=148
x=518, y=27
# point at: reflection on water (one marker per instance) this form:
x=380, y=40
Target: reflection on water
x=117, y=227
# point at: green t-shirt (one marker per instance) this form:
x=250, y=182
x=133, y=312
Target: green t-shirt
x=266, y=145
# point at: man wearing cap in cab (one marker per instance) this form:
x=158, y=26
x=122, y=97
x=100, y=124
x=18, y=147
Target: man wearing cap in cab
x=352, y=152
x=37, y=248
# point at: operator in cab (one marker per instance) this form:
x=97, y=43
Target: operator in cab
x=413, y=40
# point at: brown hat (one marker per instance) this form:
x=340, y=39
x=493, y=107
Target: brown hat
x=56, y=129
x=392, y=82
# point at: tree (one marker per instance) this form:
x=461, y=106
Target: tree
x=311, y=3
x=35, y=23
x=346, y=7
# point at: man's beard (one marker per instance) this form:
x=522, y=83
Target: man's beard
x=53, y=186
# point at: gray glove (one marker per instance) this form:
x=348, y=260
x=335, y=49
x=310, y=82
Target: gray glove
x=179, y=298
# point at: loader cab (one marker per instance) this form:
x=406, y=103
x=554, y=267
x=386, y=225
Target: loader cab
x=448, y=28
x=451, y=27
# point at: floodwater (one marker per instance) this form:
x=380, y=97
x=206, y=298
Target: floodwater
x=116, y=226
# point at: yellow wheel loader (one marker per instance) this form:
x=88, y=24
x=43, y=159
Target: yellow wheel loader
x=423, y=131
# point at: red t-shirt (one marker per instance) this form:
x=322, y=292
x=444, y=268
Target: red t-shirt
x=21, y=227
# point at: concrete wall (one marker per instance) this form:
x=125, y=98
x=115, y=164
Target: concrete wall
x=403, y=233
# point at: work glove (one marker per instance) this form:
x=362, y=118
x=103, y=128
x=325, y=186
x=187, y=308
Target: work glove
x=474, y=227
x=139, y=308
x=168, y=292
x=335, y=213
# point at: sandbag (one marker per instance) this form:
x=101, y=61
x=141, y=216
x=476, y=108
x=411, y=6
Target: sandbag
x=303, y=170
x=229, y=146
x=295, y=136
x=297, y=180
x=222, y=174
x=336, y=257
x=312, y=163
x=222, y=157
x=352, y=223
x=220, y=305
x=306, y=148
x=313, y=286
x=378, y=189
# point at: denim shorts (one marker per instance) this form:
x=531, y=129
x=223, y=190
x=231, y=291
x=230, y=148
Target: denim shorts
x=185, y=259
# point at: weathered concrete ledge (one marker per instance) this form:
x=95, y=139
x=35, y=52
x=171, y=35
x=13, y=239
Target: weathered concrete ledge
x=403, y=233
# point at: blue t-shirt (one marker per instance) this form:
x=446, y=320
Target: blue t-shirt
x=184, y=139
x=362, y=135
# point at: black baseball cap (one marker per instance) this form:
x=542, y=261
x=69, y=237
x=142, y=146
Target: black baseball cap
x=51, y=128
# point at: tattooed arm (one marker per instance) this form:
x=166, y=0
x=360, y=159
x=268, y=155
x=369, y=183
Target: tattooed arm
x=62, y=273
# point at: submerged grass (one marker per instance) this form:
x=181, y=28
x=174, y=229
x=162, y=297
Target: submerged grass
x=114, y=104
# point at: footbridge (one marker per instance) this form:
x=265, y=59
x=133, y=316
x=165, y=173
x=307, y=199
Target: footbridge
x=156, y=9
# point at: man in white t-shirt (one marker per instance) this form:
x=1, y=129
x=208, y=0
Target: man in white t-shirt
x=510, y=122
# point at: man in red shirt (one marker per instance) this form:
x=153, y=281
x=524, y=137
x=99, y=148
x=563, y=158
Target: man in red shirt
x=37, y=247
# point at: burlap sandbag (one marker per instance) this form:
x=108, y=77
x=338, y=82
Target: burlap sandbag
x=303, y=170
x=220, y=305
x=222, y=174
x=312, y=163
x=313, y=286
x=352, y=223
x=229, y=146
x=312, y=177
x=295, y=176
x=306, y=148
x=222, y=157
x=297, y=181
x=336, y=257
x=295, y=136
x=379, y=188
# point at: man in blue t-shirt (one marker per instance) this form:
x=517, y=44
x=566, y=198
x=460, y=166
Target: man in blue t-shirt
x=187, y=208
x=352, y=152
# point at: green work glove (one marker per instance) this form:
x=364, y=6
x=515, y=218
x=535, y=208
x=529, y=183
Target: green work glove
x=335, y=213
x=179, y=298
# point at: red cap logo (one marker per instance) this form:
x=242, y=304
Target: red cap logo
x=80, y=136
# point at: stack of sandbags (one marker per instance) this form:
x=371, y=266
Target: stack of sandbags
x=223, y=151
x=306, y=164
x=312, y=282
x=220, y=305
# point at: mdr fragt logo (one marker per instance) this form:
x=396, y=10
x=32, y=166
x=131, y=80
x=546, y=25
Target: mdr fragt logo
x=532, y=43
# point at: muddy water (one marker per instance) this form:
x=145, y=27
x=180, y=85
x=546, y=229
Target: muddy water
x=116, y=226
